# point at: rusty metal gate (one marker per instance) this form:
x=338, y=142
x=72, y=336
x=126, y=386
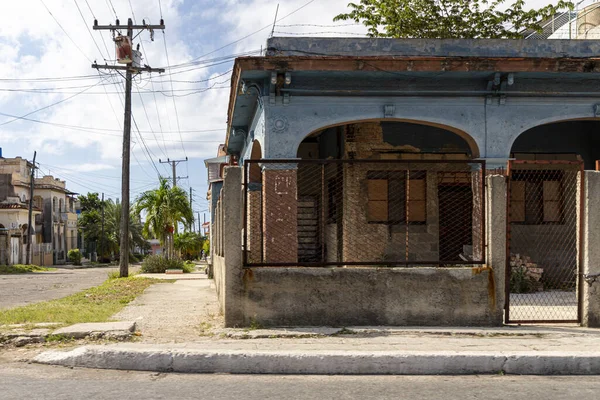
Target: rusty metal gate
x=544, y=225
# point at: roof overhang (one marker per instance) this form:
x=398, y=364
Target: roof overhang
x=356, y=58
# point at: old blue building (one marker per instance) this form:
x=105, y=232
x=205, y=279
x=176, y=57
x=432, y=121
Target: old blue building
x=376, y=172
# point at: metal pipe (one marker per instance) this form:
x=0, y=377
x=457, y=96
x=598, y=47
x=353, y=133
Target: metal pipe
x=446, y=93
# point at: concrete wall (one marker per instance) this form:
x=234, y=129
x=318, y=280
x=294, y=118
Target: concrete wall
x=496, y=242
x=459, y=296
x=591, y=251
x=228, y=267
x=367, y=296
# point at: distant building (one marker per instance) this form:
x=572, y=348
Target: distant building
x=58, y=223
x=15, y=178
x=54, y=214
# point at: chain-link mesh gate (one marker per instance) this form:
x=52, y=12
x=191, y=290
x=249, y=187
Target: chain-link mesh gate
x=544, y=221
x=364, y=212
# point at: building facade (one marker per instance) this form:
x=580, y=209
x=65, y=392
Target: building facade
x=370, y=167
x=57, y=224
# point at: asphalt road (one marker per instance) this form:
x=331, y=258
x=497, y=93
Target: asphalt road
x=32, y=382
x=21, y=289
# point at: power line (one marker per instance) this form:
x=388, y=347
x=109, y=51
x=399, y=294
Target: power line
x=88, y=28
x=173, y=98
x=257, y=31
x=48, y=106
x=99, y=131
x=63, y=29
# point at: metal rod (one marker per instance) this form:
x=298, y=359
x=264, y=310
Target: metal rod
x=442, y=92
x=114, y=27
x=453, y=264
x=580, y=241
x=323, y=222
x=245, y=213
x=508, y=233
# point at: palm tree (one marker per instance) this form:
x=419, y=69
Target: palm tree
x=165, y=207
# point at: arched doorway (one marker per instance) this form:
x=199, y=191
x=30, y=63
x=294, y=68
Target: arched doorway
x=389, y=192
x=545, y=218
x=253, y=243
x=388, y=139
x=577, y=140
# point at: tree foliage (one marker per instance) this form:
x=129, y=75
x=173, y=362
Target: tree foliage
x=189, y=244
x=90, y=223
x=449, y=19
x=165, y=207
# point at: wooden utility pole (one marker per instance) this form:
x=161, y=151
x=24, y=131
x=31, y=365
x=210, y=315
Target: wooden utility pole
x=102, y=237
x=30, y=216
x=129, y=71
x=192, y=223
x=174, y=164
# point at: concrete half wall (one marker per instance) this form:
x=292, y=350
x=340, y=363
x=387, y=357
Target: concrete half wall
x=369, y=296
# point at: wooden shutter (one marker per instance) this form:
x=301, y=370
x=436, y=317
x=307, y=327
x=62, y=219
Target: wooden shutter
x=551, y=193
x=377, y=200
x=417, y=200
x=517, y=201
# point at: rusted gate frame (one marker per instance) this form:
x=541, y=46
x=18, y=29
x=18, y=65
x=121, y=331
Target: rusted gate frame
x=245, y=202
x=579, y=293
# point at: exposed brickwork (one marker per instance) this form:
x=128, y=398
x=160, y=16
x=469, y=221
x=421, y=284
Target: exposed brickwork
x=280, y=224
x=254, y=214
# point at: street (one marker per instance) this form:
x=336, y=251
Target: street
x=24, y=381
x=22, y=289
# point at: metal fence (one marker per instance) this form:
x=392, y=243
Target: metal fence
x=363, y=212
x=544, y=235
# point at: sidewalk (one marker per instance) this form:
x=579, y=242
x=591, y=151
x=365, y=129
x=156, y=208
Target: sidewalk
x=182, y=332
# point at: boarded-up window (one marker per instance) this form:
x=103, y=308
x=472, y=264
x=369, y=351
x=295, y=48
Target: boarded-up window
x=417, y=202
x=536, y=198
x=517, y=201
x=552, y=207
x=377, y=206
x=390, y=200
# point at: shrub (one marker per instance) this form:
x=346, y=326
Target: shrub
x=159, y=264
x=519, y=281
x=74, y=256
x=189, y=267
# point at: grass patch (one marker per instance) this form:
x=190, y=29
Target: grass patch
x=96, y=304
x=23, y=269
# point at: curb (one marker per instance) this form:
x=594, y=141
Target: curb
x=326, y=362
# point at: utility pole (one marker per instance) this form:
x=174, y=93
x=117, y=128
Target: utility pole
x=129, y=69
x=30, y=216
x=174, y=164
x=192, y=222
x=102, y=237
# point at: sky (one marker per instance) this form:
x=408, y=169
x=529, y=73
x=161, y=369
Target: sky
x=72, y=114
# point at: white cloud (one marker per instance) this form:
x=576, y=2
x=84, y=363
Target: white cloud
x=33, y=45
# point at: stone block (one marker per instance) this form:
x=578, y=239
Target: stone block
x=97, y=329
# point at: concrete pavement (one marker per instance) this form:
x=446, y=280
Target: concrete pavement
x=181, y=331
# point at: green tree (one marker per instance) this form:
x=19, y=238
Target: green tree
x=449, y=19
x=189, y=244
x=165, y=207
x=90, y=223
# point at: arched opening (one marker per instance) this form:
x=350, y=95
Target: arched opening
x=388, y=139
x=25, y=233
x=254, y=205
x=566, y=140
x=54, y=204
x=389, y=191
x=254, y=172
x=38, y=202
x=61, y=206
x=544, y=213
